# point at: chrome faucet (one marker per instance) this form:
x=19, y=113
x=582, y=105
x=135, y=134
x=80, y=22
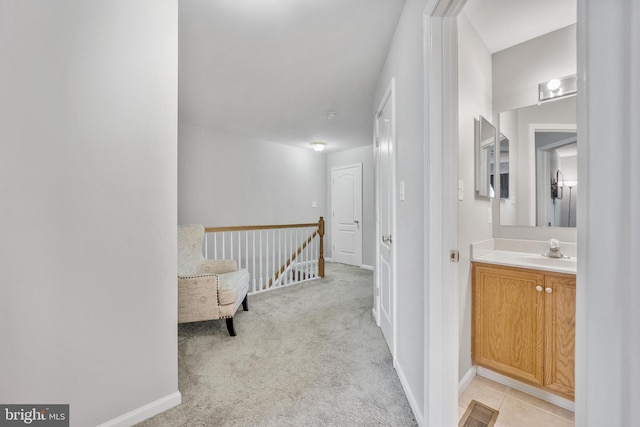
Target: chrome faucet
x=554, y=249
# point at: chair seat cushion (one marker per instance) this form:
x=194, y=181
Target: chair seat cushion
x=233, y=286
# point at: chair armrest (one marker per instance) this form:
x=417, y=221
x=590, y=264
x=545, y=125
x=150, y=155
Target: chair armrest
x=218, y=266
x=198, y=298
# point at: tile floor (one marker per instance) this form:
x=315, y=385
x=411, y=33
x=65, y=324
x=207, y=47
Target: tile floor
x=517, y=409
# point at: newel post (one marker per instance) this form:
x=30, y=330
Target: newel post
x=321, y=255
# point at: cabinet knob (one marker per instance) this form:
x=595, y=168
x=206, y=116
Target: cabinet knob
x=548, y=290
x=539, y=288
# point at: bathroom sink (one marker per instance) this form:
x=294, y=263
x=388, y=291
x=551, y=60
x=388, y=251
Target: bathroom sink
x=529, y=260
x=543, y=261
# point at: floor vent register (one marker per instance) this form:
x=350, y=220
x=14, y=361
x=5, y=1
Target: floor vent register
x=478, y=415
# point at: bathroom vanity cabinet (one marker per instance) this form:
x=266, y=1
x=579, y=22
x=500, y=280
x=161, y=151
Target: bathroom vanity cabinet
x=523, y=325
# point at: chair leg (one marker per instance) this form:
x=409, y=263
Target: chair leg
x=232, y=332
x=245, y=303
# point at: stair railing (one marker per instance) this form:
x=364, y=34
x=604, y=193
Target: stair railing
x=274, y=255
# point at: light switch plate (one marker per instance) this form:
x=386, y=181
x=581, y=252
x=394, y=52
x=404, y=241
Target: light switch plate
x=402, y=191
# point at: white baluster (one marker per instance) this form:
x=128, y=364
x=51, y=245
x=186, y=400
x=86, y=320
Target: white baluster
x=290, y=245
x=306, y=257
x=273, y=253
x=260, y=260
x=223, y=245
x=302, y=255
x=313, y=257
x=279, y=255
x=215, y=245
x=246, y=249
x=253, y=273
x=206, y=245
x=316, y=246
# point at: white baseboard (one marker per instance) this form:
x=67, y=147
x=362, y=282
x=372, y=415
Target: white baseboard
x=366, y=267
x=328, y=260
x=526, y=388
x=146, y=411
x=466, y=380
x=410, y=397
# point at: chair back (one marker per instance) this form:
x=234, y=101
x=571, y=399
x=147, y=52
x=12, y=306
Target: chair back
x=190, y=239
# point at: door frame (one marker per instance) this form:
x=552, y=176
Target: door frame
x=541, y=182
x=389, y=95
x=333, y=209
x=441, y=352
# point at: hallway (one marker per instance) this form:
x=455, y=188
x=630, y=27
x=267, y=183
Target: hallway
x=308, y=354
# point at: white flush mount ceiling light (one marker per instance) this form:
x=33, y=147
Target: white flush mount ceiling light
x=331, y=115
x=318, y=146
x=557, y=88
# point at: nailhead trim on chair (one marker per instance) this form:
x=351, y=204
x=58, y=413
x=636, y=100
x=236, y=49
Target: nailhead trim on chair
x=198, y=275
x=218, y=294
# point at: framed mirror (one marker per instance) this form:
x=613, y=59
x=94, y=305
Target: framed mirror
x=543, y=150
x=485, y=144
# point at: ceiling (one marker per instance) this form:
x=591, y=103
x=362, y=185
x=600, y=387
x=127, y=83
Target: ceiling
x=273, y=69
x=505, y=23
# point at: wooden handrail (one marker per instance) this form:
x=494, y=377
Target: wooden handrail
x=258, y=227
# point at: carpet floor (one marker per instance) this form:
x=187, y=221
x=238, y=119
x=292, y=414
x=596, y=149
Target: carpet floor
x=305, y=355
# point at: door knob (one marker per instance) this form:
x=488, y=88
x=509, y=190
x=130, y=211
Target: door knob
x=387, y=239
x=356, y=221
x=548, y=290
x=539, y=288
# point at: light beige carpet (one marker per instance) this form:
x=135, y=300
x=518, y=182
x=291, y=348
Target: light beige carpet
x=305, y=355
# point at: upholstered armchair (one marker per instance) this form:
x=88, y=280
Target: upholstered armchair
x=207, y=289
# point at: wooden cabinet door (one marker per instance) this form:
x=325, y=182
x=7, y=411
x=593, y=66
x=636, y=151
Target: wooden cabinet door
x=560, y=319
x=508, y=321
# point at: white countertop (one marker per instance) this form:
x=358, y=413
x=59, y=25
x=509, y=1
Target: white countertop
x=528, y=260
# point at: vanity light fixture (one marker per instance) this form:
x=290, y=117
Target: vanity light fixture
x=557, y=88
x=318, y=146
x=553, y=84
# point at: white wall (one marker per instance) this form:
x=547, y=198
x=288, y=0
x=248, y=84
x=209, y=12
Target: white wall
x=474, y=99
x=88, y=117
x=362, y=155
x=517, y=71
x=226, y=179
x=405, y=62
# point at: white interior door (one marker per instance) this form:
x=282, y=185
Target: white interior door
x=346, y=201
x=385, y=276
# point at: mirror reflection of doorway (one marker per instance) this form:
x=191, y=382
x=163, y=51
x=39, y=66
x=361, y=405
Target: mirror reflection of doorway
x=556, y=165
